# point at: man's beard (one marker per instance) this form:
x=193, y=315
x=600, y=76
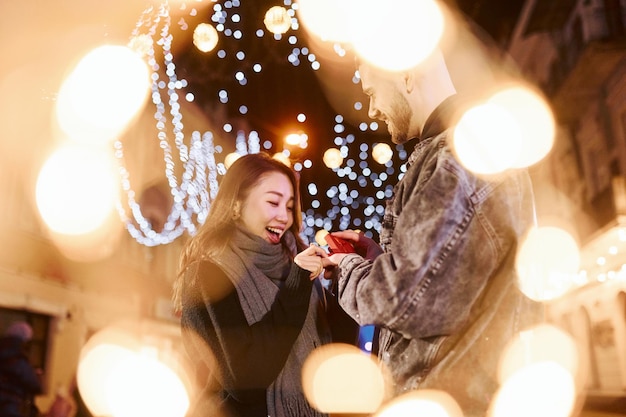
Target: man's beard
x=400, y=124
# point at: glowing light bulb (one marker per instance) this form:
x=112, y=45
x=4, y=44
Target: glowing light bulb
x=332, y=158
x=277, y=20
x=205, y=37
x=293, y=139
x=382, y=153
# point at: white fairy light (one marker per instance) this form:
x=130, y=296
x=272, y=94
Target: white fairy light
x=193, y=195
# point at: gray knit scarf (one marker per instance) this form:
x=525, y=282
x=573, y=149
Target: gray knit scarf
x=257, y=269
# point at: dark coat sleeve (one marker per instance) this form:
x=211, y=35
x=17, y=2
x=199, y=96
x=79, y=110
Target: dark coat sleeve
x=343, y=328
x=244, y=359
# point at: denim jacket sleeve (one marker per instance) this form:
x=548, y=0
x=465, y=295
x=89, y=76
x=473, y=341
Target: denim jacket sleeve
x=445, y=233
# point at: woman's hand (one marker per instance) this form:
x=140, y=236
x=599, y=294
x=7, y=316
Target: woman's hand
x=311, y=259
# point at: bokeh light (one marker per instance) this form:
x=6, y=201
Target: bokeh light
x=119, y=376
x=293, y=139
x=205, y=37
x=547, y=263
x=230, y=158
x=487, y=139
x=96, y=245
x=340, y=378
x=327, y=19
x=425, y=402
x=95, y=375
x=332, y=158
x=142, y=385
x=382, y=153
x=77, y=189
x=280, y=156
x=534, y=119
x=141, y=44
x=541, y=343
x=102, y=94
x=320, y=237
x=398, y=35
x=277, y=20
x=541, y=389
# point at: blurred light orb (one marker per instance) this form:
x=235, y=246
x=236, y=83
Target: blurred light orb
x=230, y=158
x=77, y=189
x=145, y=386
x=102, y=94
x=92, y=246
x=279, y=156
x=332, y=158
x=535, y=120
x=425, y=402
x=541, y=389
x=205, y=37
x=547, y=263
x=319, y=237
x=141, y=44
x=542, y=343
x=487, y=139
x=293, y=139
x=326, y=19
x=117, y=376
x=277, y=20
x=382, y=153
x=95, y=376
x=340, y=378
x=396, y=34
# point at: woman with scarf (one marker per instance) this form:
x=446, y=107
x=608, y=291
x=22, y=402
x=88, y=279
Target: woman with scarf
x=251, y=307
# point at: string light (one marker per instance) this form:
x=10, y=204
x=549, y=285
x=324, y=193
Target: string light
x=198, y=185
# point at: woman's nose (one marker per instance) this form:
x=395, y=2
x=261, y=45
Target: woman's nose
x=283, y=214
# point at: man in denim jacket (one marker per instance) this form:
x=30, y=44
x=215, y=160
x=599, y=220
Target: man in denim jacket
x=443, y=289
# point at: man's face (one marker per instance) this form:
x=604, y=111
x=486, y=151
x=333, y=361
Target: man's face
x=388, y=101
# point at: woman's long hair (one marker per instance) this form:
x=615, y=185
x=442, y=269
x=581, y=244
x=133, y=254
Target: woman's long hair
x=213, y=236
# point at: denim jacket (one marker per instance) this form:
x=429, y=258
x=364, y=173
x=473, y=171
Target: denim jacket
x=444, y=293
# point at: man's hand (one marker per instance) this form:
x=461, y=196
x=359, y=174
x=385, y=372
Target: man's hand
x=330, y=265
x=364, y=246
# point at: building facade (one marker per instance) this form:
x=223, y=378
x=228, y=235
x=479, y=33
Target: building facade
x=575, y=50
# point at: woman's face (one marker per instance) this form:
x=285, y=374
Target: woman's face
x=268, y=210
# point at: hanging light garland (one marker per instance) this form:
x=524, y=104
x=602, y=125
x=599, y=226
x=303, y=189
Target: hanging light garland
x=192, y=196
